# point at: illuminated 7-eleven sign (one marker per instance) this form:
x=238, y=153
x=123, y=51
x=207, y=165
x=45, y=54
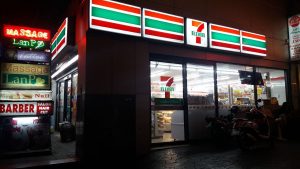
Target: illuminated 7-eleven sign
x=196, y=32
x=167, y=88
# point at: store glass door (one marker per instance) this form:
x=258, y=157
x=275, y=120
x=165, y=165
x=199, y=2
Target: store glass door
x=167, y=114
x=201, y=98
x=61, y=100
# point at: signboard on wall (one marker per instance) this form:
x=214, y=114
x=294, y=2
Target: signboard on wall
x=24, y=76
x=224, y=38
x=22, y=32
x=163, y=26
x=252, y=43
x=294, y=37
x=25, y=55
x=196, y=32
x=35, y=95
x=59, y=40
x=115, y=17
x=25, y=108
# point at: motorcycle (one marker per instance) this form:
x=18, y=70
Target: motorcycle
x=255, y=129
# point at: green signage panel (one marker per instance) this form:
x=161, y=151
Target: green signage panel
x=24, y=76
x=168, y=101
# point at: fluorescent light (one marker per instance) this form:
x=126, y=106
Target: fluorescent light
x=64, y=66
x=25, y=120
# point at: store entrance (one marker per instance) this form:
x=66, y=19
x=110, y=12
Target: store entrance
x=66, y=99
x=167, y=110
x=200, y=99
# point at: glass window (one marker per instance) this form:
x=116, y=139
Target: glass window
x=74, y=97
x=274, y=85
x=234, y=88
x=167, y=116
x=201, y=104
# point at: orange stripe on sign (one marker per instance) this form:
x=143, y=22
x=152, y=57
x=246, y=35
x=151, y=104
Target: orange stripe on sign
x=163, y=16
x=195, y=23
x=255, y=36
x=223, y=29
x=114, y=5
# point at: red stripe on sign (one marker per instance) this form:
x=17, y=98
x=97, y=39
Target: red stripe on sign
x=225, y=45
x=254, y=50
x=164, y=35
x=115, y=5
x=116, y=26
x=59, y=30
x=62, y=42
x=163, y=16
x=255, y=36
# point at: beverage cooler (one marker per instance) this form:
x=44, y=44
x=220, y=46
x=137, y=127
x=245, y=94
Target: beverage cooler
x=25, y=126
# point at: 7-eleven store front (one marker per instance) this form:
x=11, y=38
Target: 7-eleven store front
x=159, y=81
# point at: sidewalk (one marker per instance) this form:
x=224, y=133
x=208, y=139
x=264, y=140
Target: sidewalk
x=61, y=153
x=285, y=155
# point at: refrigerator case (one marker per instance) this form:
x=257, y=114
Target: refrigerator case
x=177, y=125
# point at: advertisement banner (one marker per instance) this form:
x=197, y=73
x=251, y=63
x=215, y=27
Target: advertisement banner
x=21, y=32
x=196, y=32
x=115, y=17
x=32, y=95
x=25, y=108
x=25, y=76
x=163, y=26
x=224, y=38
x=294, y=37
x=24, y=55
x=59, y=41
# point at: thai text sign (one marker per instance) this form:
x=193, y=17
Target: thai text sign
x=25, y=76
x=21, y=32
x=25, y=108
x=294, y=36
x=25, y=95
x=25, y=55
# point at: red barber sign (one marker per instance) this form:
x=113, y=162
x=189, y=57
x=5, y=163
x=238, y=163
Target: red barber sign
x=25, y=108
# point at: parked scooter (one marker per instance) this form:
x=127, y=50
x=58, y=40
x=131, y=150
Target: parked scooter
x=255, y=129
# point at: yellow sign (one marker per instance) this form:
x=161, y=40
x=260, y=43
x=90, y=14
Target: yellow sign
x=25, y=76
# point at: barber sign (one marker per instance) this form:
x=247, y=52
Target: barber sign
x=25, y=108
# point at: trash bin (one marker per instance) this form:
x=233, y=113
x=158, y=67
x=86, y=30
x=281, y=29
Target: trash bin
x=67, y=132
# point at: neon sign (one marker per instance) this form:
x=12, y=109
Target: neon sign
x=35, y=44
x=21, y=32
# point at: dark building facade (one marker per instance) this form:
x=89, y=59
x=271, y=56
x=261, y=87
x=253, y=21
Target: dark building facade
x=116, y=91
x=134, y=92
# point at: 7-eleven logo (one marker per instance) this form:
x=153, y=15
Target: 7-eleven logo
x=167, y=89
x=196, y=32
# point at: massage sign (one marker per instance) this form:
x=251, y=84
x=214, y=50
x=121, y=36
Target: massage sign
x=24, y=76
x=26, y=37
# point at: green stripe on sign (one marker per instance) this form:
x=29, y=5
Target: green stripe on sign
x=58, y=39
x=53, y=46
x=163, y=25
x=117, y=16
x=252, y=42
x=225, y=37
